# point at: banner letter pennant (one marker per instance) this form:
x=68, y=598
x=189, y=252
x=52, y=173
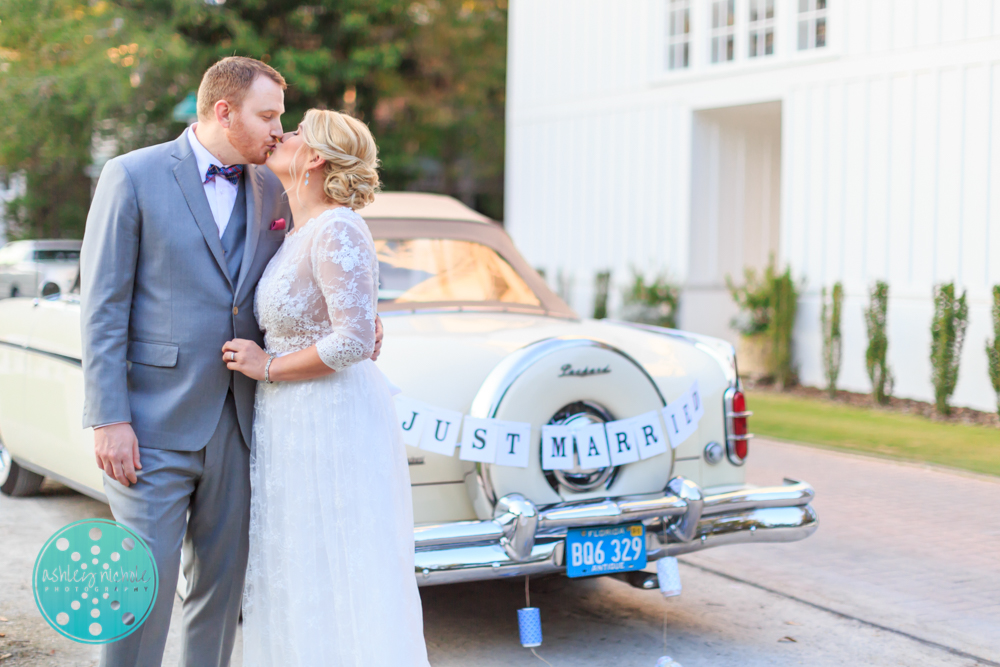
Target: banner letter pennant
x=621, y=442
x=513, y=443
x=592, y=447
x=649, y=435
x=411, y=415
x=479, y=440
x=441, y=431
x=699, y=407
x=557, y=447
x=679, y=425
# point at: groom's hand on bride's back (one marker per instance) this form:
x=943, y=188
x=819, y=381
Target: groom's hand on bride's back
x=378, y=338
x=117, y=451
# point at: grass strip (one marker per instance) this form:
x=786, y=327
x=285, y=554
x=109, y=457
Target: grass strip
x=909, y=437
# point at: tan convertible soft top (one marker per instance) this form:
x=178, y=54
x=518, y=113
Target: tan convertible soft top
x=405, y=215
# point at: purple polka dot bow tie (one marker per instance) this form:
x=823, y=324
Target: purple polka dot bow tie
x=231, y=174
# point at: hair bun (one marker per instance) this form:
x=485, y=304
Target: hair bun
x=347, y=145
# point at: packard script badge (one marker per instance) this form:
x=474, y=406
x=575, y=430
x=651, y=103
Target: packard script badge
x=95, y=581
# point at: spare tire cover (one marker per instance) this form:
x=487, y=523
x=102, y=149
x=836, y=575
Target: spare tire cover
x=533, y=384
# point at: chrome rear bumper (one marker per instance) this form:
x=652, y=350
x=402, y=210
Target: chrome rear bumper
x=522, y=539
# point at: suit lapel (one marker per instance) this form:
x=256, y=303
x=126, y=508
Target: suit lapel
x=255, y=209
x=188, y=178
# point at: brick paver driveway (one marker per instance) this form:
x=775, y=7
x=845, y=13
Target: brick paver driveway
x=905, y=546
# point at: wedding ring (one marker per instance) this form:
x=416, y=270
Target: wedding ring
x=232, y=356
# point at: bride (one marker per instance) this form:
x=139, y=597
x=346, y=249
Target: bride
x=330, y=580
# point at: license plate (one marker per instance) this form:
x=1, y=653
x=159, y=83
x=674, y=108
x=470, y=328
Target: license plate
x=605, y=549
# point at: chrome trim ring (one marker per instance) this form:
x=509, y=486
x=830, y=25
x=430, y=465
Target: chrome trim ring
x=491, y=393
x=579, y=479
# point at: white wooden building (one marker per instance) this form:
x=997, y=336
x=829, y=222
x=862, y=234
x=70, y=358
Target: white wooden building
x=856, y=140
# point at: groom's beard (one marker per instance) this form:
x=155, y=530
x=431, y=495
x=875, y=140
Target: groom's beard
x=244, y=142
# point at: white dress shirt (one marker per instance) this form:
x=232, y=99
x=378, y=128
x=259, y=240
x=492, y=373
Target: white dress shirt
x=221, y=194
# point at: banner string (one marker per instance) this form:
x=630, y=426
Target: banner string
x=541, y=658
x=664, y=629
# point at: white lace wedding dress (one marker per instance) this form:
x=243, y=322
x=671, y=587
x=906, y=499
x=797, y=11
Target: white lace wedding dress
x=330, y=581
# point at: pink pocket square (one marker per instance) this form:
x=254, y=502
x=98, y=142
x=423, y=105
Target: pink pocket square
x=278, y=225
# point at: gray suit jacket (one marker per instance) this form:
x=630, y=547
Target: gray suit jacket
x=155, y=292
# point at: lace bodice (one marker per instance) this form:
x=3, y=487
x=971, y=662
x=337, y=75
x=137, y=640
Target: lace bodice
x=320, y=288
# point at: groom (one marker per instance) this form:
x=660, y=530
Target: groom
x=177, y=237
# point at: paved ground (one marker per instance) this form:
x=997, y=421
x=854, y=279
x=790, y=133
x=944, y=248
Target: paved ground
x=910, y=549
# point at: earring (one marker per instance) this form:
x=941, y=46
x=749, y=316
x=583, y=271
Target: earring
x=307, y=178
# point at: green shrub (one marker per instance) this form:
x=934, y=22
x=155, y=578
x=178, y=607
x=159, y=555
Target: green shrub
x=768, y=304
x=782, y=324
x=754, y=298
x=602, y=283
x=653, y=302
x=993, y=349
x=951, y=317
x=830, y=321
x=876, y=355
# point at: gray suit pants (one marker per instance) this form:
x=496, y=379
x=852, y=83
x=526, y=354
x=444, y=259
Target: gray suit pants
x=213, y=484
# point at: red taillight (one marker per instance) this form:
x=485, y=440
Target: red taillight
x=737, y=433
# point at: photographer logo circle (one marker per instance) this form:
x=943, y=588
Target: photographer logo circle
x=95, y=581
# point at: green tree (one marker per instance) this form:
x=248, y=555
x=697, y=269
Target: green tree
x=993, y=349
x=830, y=321
x=876, y=356
x=428, y=77
x=951, y=317
x=71, y=73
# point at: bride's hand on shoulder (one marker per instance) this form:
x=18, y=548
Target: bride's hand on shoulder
x=246, y=357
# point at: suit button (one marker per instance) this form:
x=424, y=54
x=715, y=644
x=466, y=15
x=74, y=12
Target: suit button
x=236, y=311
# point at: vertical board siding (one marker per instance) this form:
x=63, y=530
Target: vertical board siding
x=889, y=165
x=975, y=182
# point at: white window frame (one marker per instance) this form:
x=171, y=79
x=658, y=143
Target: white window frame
x=679, y=43
x=760, y=27
x=809, y=16
x=722, y=43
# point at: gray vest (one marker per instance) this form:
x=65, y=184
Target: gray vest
x=235, y=236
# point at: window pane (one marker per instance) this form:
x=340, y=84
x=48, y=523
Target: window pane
x=820, y=4
x=685, y=54
x=820, y=32
x=753, y=10
x=753, y=45
x=731, y=12
x=770, y=9
x=672, y=55
x=687, y=21
x=729, y=48
x=803, y=5
x=57, y=255
x=769, y=43
x=423, y=270
x=716, y=22
x=803, y=35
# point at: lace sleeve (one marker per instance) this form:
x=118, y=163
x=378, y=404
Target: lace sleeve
x=342, y=265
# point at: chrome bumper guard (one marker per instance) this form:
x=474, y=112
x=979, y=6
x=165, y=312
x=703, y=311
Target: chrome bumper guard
x=522, y=539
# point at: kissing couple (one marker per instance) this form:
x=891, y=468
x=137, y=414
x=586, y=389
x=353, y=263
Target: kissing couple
x=229, y=369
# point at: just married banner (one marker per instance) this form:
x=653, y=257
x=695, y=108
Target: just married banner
x=486, y=440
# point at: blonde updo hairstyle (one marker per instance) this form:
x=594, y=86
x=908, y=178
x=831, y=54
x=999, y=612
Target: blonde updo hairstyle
x=350, y=175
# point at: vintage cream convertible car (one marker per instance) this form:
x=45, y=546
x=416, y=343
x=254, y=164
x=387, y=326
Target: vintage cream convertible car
x=471, y=327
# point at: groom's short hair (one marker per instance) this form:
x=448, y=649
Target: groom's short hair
x=230, y=79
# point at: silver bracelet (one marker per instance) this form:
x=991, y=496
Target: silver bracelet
x=267, y=369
